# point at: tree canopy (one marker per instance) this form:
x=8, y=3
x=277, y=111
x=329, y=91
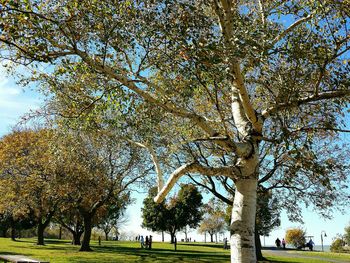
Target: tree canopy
x=179, y=212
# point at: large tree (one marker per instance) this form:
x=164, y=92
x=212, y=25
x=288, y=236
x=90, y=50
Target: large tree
x=179, y=212
x=98, y=173
x=234, y=76
x=27, y=174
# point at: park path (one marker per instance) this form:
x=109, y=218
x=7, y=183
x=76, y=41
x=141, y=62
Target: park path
x=290, y=253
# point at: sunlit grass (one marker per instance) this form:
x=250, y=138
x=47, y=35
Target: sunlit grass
x=61, y=251
x=116, y=251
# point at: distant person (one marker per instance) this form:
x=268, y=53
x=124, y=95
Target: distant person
x=225, y=243
x=99, y=240
x=146, y=242
x=150, y=242
x=310, y=244
x=142, y=242
x=278, y=243
x=284, y=243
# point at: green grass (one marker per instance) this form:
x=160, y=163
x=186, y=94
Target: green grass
x=323, y=256
x=115, y=251
x=61, y=251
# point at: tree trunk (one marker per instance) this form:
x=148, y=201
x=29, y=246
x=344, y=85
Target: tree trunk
x=258, y=253
x=243, y=221
x=211, y=237
x=60, y=233
x=162, y=236
x=85, y=245
x=172, y=236
x=40, y=232
x=13, y=233
x=106, y=236
x=4, y=232
x=76, y=237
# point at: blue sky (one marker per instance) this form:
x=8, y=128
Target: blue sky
x=15, y=102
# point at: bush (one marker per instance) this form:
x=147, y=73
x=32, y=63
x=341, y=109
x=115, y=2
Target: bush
x=337, y=245
x=295, y=237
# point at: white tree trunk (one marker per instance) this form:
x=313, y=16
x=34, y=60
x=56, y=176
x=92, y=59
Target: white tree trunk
x=243, y=222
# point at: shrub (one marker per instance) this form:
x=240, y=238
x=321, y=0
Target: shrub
x=337, y=245
x=295, y=237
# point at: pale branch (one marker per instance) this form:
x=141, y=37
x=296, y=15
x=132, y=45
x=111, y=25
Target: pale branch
x=225, y=19
x=289, y=29
x=160, y=179
x=244, y=98
x=262, y=12
x=321, y=96
x=193, y=168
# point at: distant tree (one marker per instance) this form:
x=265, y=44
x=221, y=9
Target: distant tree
x=347, y=235
x=112, y=214
x=180, y=211
x=296, y=237
x=98, y=169
x=337, y=244
x=28, y=177
x=214, y=218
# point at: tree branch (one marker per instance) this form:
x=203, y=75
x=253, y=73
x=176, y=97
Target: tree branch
x=290, y=28
x=193, y=168
x=305, y=100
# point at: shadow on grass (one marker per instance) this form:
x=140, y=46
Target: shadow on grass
x=158, y=251
x=204, y=245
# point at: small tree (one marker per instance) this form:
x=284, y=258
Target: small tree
x=182, y=210
x=214, y=221
x=295, y=236
x=337, y=245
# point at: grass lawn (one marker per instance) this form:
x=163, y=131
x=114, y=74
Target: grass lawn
x=59, y=251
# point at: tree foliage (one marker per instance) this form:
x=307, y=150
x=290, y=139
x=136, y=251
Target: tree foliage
x=214, y=218
x=28, y=178
x=296, y=237
x=180, y=211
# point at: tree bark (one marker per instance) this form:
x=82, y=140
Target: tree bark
x=40, y=232
x=243, y=221
x=76, y=237
x=258, y=253
x=60, y=233
x=211, y=237
x=13, y=233
x=172, y=237
x=85, y=245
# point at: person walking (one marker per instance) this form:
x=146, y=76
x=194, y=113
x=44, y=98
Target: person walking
x=278, y=243
x=142, y=242
x=284, y=243
x=150, y=242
